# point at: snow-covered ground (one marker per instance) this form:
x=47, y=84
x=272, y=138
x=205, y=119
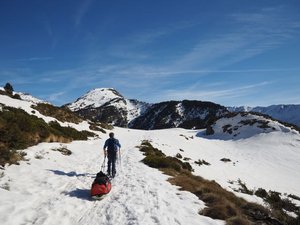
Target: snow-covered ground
x=52, y=188
x=267, y=160
x=27, y=107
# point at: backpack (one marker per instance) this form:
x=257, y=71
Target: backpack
x=101, y=178
x=111, y=145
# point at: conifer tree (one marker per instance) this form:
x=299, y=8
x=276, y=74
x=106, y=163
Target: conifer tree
x=8, y=88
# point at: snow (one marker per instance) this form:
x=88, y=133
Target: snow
x=55, y=189
x=287, y=113
x=134, y=109
x=30, y=98
x=240, y=130
x=51, y=188
x=266, y=160
x=95, y=98
x=108, y=96
x=26, y=106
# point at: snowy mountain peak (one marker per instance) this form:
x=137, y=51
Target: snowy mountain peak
x=95, y=98
x=108, y=105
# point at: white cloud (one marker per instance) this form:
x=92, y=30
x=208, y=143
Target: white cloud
x=217, y=95
x=32, y=59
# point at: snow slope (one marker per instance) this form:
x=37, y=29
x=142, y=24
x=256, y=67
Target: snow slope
x=266, y=160
x=27, y=97
x=26, y=106
x=51, y=188
x=55, y=189
x=245, y=125
x=95, y=98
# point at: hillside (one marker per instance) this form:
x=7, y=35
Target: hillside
x=59, y=191
x=258, y=154
x=244, y=125
x=23, y=125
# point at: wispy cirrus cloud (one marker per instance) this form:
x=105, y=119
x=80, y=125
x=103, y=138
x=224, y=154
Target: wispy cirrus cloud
x=252, y=34
x=197, y=92
x=33, y=59
x=136, y=46
x=82, y=11
x=56, y=97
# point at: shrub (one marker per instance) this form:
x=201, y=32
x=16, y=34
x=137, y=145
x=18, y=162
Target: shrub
x=179, y=156
x=63, y=150
x=244, y=189
x=227, y=129
x=260, y=192
x=157, y=159
x=225, y=160
x=16, y=96
x=221, y=204
x=294, y=197
x=220, y=211
x=97, y=128
x=237, y=221
x=8, y=88
x=19, y=130
x=161, y=162
x=202, y=162
x=61, y=114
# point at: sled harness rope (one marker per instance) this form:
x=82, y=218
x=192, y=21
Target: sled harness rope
x=103, y=164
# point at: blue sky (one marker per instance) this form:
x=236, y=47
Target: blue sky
x=231, y=52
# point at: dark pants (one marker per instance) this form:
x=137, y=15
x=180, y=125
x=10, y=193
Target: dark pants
x=111, y=164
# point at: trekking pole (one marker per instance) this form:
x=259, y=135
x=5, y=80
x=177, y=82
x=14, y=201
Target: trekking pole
x=103, y=165
x=120, y=158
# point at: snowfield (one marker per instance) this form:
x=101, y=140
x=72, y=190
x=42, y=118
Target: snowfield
x=51, y=188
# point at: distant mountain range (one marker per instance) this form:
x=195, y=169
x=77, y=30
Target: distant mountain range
x=109, y=106
x=286, y=113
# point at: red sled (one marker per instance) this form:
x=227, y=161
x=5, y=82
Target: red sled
x=101, y=186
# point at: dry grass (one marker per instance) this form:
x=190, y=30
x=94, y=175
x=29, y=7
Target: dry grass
x=63, y=150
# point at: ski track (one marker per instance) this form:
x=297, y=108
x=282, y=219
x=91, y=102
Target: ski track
x=59, y=192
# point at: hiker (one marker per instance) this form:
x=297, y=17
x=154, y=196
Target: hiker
x=111, y=147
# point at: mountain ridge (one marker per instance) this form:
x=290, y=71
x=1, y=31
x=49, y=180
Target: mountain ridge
x=286, y=113
x=108, y=105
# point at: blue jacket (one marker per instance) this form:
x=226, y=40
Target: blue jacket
x=116, y=141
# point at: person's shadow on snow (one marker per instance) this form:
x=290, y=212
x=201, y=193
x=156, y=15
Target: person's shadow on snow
x=70, y=174
x=83, y=194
